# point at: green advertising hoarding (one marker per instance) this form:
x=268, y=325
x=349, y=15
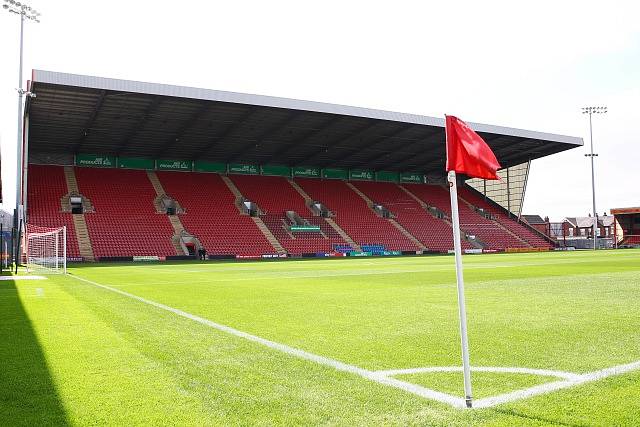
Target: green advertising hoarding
x=203, y=166
x=95, y=161
x=387, y=176
x=136, y=163
x=411, y=177
x=174, y=165
x=333, y=173
x=305, y=228
x=306, y=172
x=244, y=169
x=275, y=170
x=361, y=174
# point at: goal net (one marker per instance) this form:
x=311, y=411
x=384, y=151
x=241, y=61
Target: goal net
x=46, y=249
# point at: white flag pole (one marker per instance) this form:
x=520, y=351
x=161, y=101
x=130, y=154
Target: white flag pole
x=453, y=192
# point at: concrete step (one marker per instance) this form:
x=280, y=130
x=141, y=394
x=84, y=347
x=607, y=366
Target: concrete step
x=70, y=178
x=269, y=235
x=234, y=190
x=506, y=230
x=307, y=199
x=299, y=189
x=232, y=187
x=176, y=223
x=82, y=237
x=177, y=246
x=155, y=181
x=79, y=221
x=408, y=235
x=343, y=234
x=361, y=194
x=414, y=197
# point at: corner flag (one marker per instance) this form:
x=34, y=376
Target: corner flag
x=466, y=153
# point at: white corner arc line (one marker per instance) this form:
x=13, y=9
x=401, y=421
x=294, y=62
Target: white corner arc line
x=321, y=360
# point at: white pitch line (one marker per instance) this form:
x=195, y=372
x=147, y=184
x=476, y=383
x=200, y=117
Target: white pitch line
x=557, y=385
x=506, y=370
x=321, y=360
x=383, y=377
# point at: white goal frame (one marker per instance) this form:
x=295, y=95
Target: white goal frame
x=46, y=249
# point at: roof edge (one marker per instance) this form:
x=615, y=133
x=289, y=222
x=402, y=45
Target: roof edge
x=94, y=82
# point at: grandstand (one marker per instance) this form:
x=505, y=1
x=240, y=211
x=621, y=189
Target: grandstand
x=137, y=169
x=626, y=224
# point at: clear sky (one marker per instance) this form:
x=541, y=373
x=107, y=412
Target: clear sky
x=507, y=63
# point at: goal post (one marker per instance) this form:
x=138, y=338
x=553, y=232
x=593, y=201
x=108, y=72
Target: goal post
x=46, y=249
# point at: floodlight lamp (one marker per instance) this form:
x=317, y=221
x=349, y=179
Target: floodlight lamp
x=4, y=6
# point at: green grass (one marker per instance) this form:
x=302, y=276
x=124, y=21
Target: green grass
x=72, y=353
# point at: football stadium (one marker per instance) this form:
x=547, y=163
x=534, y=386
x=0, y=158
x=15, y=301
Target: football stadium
x=190, y=256
x=198, y=257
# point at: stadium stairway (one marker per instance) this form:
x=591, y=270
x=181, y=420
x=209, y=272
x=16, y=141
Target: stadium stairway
x=157, y=185
x=502, y=218
x=47, y=187
x=273, y=241
x=70, y=179
x=434, y=233
x=234, y=190
x=125, y=222
x=490, y=234
x=305, y=196
x=343, y=234
x=212, y=214
x=466, y=244
x=269, y=235
x=392, y=221
x=178, y=228
x=79, y=222
x=82, y=236
x=498, y=224
x=408, y=235
x=354, y=216
x=331, y=222
x=282, y=205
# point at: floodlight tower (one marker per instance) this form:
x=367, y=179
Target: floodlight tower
x=25, y=12
x=591, y=111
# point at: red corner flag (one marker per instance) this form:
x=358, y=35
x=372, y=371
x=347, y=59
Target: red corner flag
x=467, y=152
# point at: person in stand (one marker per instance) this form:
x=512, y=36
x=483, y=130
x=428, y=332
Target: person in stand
x=199, y=253
x=204, y=254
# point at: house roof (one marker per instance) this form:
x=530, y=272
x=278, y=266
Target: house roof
x=534, y=219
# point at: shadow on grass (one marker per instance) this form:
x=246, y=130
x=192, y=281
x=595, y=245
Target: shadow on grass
x=27, y=393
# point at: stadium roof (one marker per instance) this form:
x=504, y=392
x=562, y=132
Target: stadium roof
x=85, y=114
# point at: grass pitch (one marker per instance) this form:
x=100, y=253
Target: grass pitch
x=74, y=353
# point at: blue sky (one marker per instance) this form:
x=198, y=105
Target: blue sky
x=506, y=63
